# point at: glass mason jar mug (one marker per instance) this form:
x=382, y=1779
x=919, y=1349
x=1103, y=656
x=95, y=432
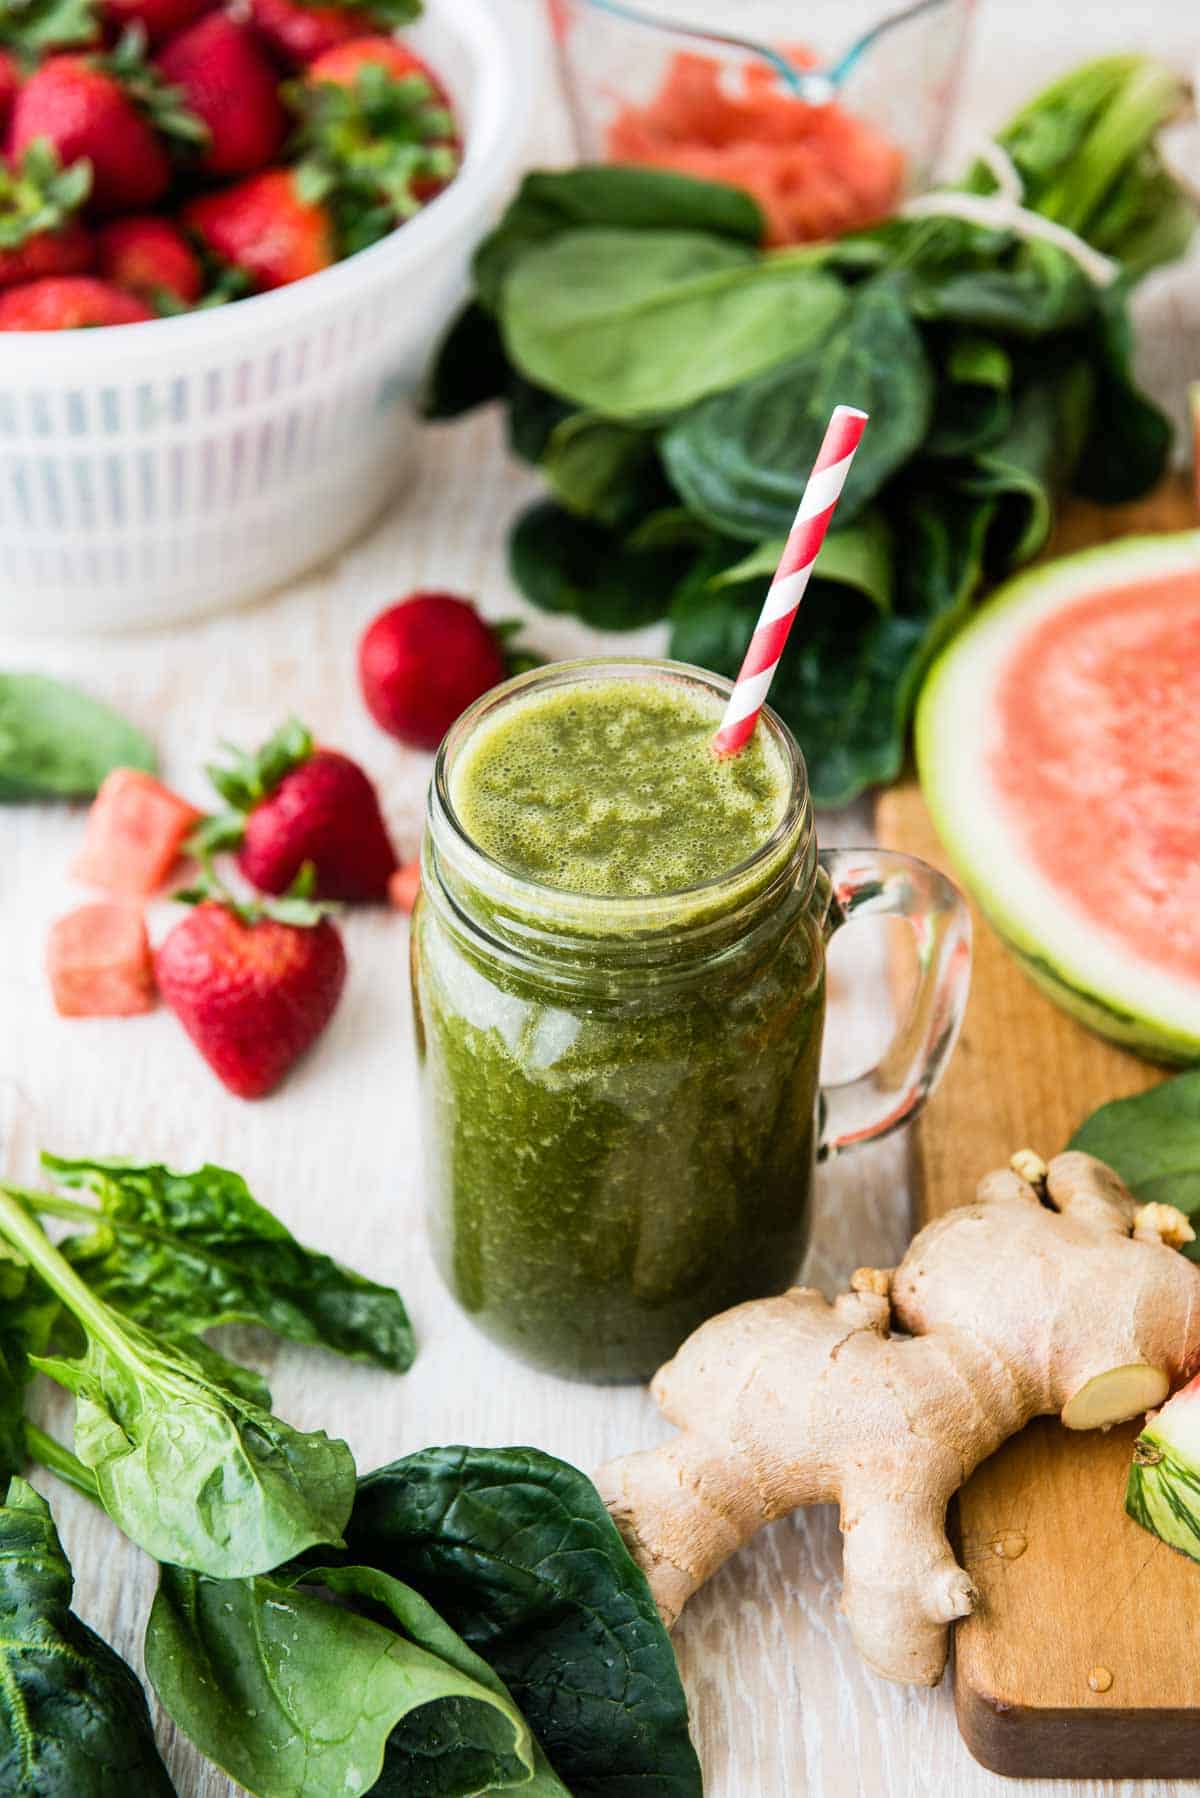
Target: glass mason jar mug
x=621, y=1096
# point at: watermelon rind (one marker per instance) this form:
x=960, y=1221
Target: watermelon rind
x=1091, y=972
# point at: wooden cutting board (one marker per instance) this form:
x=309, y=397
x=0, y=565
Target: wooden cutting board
x=1084, y=1657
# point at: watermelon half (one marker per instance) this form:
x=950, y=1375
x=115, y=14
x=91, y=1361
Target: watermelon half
x=1058, y=743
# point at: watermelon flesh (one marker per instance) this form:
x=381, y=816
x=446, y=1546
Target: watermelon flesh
x=1058, y=742
x=1163, y=1493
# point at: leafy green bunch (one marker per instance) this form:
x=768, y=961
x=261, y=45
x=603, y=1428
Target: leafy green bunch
x=464, y=1621
x=672, y=383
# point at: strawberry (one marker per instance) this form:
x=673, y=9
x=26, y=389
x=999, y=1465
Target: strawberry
x=68, y=303
x=40, y=231
x=112, y=110
x=149, y=256
x=296, y=32
x=265, y=226
x=159, y=19
x=422, y=662
x=293, y=806
x=342, y=65
x=253, y=986
x=228, y=83
x=376, y=134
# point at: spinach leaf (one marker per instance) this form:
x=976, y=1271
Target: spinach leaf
x=27, y=1315
x=469, y=368
x=73, y=1719
x=1128, y=447
x=596, y=468
x=182, y=1252
x=297, y=1697
x=740, y=460
x=849, y=680
x=1039, y=289
x=639, y=324
x=1032, y=460
x=566, y=564
x=549, y=203
x=533, y=417
x=517, y=1552
x=57, y=742
x=861, y=556
x=974, y=396
x=192, y=1472
x=1153, y=1142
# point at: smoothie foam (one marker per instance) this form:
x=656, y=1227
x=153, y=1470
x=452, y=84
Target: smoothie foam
x=611, y=788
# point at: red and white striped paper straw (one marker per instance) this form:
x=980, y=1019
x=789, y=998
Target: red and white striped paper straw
x=821, y=495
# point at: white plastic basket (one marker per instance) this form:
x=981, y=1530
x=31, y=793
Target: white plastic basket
x=150, y=472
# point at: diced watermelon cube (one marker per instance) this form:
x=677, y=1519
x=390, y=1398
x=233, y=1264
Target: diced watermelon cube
x=135, y=831
x=404, y=886
x=99, y=963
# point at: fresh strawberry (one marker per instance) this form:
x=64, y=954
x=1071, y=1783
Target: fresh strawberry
x=342, y=65
x=253, y=986
x=159, y=19
x=68, y=303
x=40, y=230
x=297, y=32
x=151, y=257
x=422, y=662
x=293, y=806
x=266, y=227
x=114, y=111
x=229, y=84
x=376, y=134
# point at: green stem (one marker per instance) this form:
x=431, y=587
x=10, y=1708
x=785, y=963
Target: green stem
x=26, y=1234
x=50, y=1205
x=60, y=1461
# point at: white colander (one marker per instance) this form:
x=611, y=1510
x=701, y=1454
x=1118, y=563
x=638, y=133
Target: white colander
x=149, y=472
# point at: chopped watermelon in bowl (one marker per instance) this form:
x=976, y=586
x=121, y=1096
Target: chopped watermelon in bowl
x=1058, y=744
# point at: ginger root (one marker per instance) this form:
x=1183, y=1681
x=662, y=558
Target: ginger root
x=1054, y=1292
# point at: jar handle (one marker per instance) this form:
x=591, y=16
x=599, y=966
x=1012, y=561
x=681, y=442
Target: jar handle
x=879, y=883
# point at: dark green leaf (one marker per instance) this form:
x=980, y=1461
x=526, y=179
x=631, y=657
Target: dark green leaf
x=30, y=26
x=1153, y=1142
x=567, y=564
x=974, y=397
x=1128, y=448
x=639, y=324
x=297, y=1697
x=740, y=460
x=58, y=743
x=533, y=416
x=850, y=675
x=598, y=469
x=73, y=1719
x=608, y=194
x=183, y=1252
x=27, y=1317
x=470, y=367
x=1033, y=460
x=1039, y=290
x=516, y=1551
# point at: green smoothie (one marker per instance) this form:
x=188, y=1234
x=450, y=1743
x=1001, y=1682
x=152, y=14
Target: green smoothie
x=619, y=1015
x=613, y=789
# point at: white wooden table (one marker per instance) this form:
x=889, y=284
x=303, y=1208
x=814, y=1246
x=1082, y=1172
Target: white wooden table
x=782, y=1707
